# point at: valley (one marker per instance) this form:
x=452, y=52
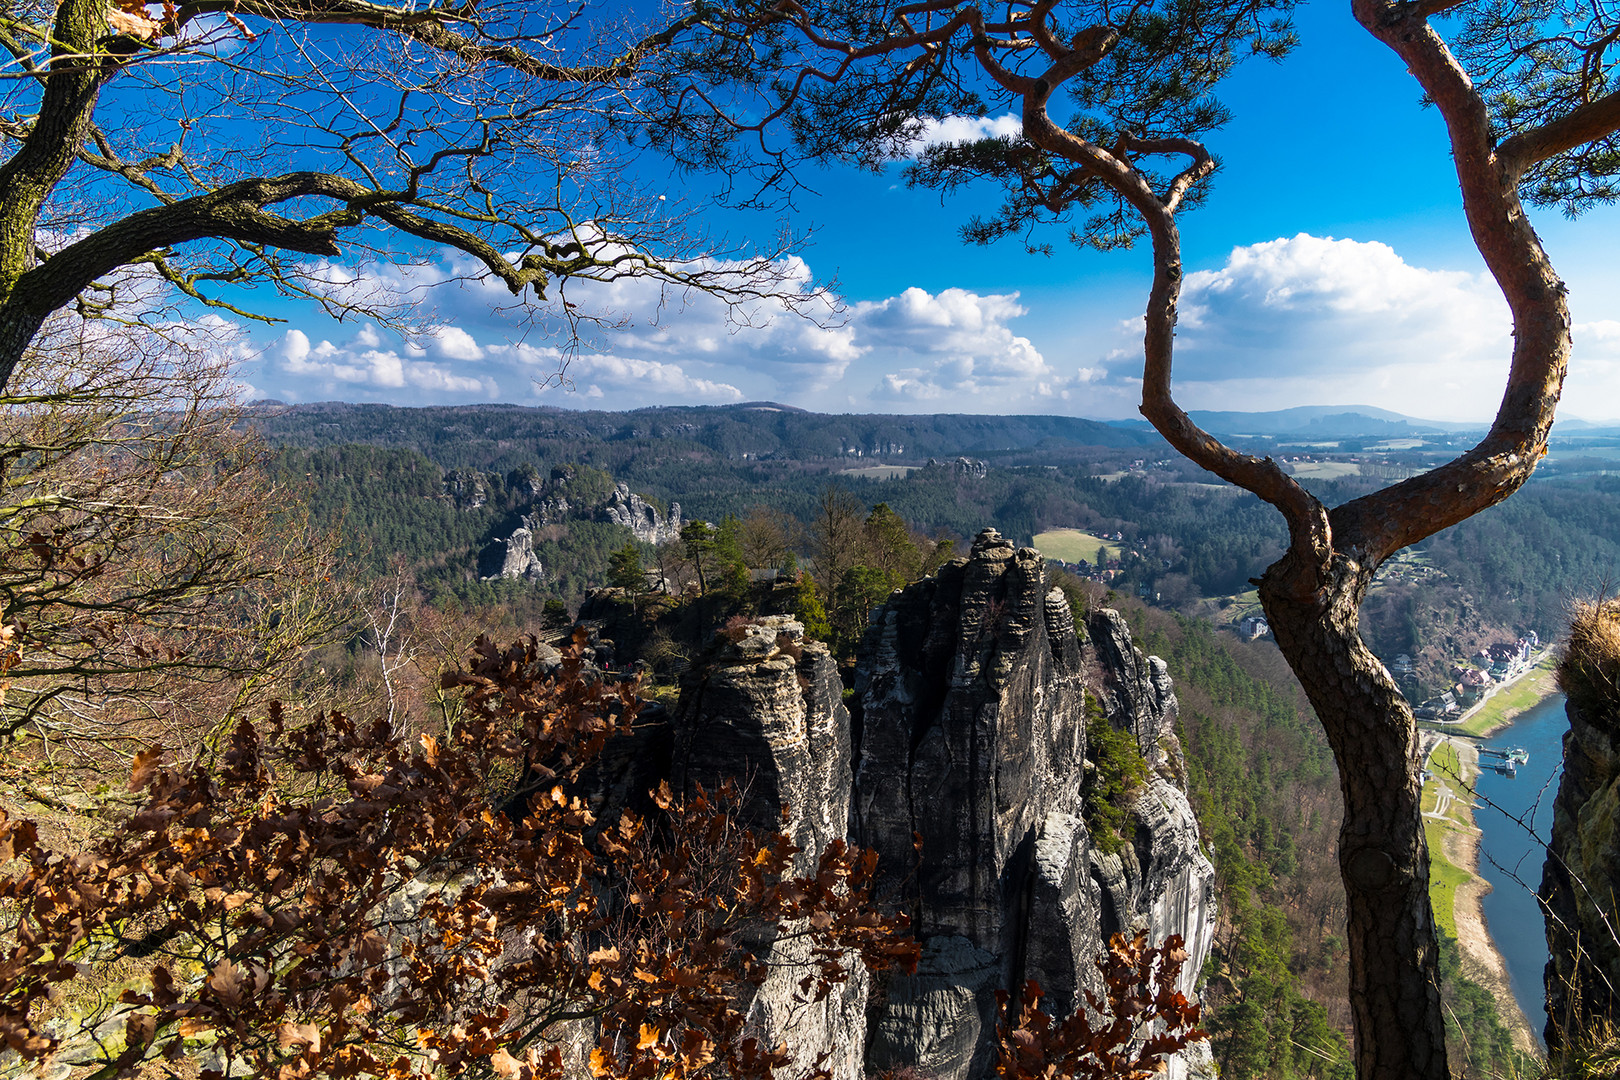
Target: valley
x=447, y=492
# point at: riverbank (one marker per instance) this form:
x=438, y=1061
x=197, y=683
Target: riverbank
x=1505, y=702
x=1456, y=891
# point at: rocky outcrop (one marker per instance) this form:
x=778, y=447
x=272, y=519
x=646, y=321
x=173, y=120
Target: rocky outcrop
x=969, y=730
x=466, y=489
x=1582, y=878
x=640, y=517
x=536, y=504
x=766, y=710
x=961, y=466
x=973, y=689
x=518, y=560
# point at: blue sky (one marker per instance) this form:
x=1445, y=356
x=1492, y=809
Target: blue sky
x=1331, y=266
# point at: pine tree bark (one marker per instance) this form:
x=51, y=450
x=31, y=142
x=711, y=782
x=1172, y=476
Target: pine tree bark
x=1383, y=854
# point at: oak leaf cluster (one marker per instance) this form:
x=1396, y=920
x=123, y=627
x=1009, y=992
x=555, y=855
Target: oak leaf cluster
x=335, y=899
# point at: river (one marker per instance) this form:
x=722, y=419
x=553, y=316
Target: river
x=1506, y=851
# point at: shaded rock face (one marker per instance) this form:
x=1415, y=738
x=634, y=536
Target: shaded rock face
x=1581, y=879
x=775, y=722
x=519, y=559
x=641, y=517
x=970, y=731
x=467, y=490
x=972, y=734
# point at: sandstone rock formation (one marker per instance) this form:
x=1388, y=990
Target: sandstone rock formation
x=972, y=734
x=467, y=490
x=1582, y=878
x=969, y=729
x=554, y=501
x=519, y=559
x=640, y=517
x=766, y=710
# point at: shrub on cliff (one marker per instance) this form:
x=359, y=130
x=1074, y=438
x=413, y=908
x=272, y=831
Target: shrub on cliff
x=1590, y=671
x=1115, y=772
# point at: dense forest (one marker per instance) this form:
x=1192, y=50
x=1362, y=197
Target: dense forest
x=1261, y=775
x=1509, y=570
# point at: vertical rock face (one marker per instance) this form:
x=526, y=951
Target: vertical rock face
x=970, y=733
x=519, y=559
x=1581, y=879
x=627, y=508
x=466, y=489
x=766, y=710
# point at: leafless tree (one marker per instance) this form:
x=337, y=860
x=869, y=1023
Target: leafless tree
x=153, y=159
x=153, y=582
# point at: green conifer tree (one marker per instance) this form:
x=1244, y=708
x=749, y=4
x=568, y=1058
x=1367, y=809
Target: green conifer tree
x=808, y=609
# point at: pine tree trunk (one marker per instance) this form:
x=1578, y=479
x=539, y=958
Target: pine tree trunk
x=1383, y=855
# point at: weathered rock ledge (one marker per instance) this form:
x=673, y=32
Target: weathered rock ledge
x=1582, y=878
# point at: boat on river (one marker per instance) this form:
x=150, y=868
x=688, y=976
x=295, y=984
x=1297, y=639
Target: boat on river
x=1509, y=758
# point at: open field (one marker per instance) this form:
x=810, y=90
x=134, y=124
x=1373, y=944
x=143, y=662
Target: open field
x=1324, y=470
x=1070, y=545
x=881, y=472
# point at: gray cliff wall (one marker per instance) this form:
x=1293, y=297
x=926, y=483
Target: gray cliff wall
x=776, y=723
x=639, y=516
x=973, y=687
x=970, y=731
x=518, y=559
x=1582, y=878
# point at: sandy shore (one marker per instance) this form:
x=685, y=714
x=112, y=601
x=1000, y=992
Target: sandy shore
x=1481, y=961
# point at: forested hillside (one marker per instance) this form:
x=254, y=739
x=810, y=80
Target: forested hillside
x=1267, y=795
x=1505, y=572
x=439, y=487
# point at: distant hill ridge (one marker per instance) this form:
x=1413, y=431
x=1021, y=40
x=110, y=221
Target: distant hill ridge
x=759, y=429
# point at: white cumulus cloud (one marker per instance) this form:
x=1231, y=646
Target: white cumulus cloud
x=962, y=129
x=952, y=349
x=367, y=367
x=1313, y=320
x=931, y=345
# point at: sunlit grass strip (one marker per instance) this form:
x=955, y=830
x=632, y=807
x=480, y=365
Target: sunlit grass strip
x=1071, y=545
x=1445, y=878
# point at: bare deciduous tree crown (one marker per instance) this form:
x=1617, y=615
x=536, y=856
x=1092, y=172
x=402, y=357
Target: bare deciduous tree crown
x=154, y=160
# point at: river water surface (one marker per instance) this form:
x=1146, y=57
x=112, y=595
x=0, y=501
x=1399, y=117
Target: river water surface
x=1508, y=852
